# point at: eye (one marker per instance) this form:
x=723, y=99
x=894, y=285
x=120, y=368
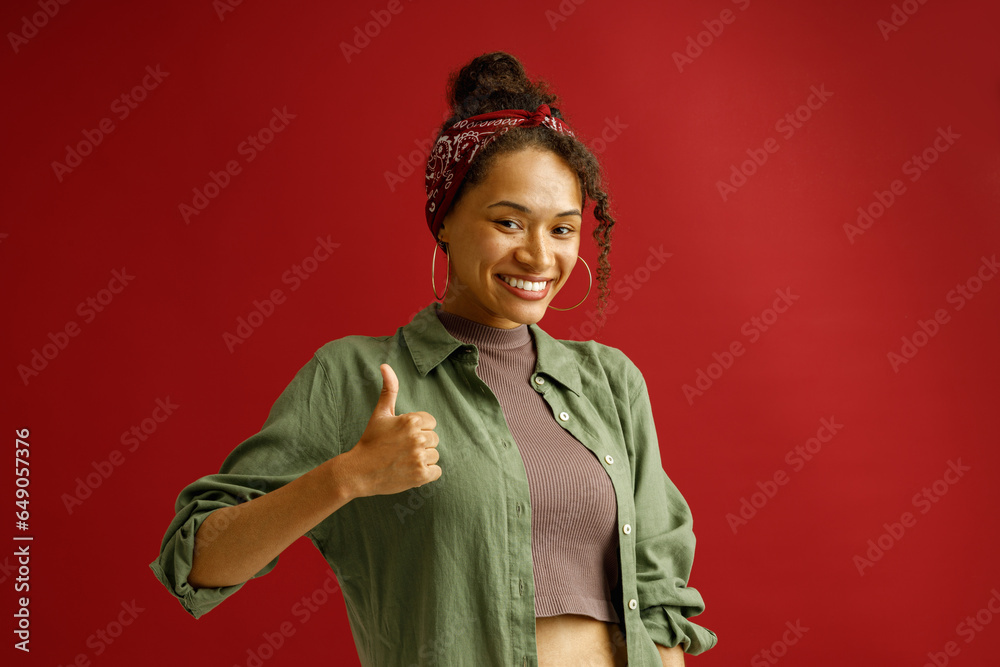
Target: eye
x=501, y=222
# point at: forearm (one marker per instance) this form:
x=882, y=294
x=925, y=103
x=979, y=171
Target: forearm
x=235, y=543
x=671, y=657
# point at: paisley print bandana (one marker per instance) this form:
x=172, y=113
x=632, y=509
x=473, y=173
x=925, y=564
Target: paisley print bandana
x=452, y=153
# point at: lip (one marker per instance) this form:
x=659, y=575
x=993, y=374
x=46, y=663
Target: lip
x=534, y=279
x=525, y=294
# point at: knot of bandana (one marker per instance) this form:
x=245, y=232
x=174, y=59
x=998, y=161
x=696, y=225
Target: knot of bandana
x=453, y=152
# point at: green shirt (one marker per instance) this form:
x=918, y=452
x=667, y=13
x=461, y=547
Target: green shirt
x=442, y=574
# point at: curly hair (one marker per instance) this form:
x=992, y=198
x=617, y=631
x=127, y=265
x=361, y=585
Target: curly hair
x=497, y=80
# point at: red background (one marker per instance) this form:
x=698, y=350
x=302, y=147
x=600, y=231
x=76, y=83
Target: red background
x=678, y=133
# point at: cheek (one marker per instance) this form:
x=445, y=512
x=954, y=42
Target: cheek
x=478, y=260
x=570, y=261
x=489, y=254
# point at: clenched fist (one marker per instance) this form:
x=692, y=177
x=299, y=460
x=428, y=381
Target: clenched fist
x=396, y=452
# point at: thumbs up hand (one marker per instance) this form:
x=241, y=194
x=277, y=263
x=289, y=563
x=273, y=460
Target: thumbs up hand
x=396, y=452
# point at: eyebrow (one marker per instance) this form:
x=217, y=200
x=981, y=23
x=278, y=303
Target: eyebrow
x=525, y=209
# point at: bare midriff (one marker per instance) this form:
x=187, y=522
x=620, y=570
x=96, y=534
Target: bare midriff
x=574, y=639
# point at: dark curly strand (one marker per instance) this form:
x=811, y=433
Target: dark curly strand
x=497, y=80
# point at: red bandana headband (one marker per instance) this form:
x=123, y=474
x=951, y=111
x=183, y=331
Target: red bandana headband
x=452, y=154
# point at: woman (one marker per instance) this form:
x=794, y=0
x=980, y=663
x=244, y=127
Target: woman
x=498, y=497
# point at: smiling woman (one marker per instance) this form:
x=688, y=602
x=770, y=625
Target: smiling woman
x=548, y=533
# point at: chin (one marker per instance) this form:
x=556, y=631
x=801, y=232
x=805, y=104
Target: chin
x=527, y=315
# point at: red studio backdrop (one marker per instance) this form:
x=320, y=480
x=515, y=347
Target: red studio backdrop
x=198, y=195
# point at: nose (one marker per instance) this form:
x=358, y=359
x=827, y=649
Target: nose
x=535, y=251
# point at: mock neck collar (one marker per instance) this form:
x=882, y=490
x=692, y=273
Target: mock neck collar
x=482, y=335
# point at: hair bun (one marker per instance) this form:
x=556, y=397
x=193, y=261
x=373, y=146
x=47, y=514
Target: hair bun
x=495, y=81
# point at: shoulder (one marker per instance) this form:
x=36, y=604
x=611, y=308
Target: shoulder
x=351, y=350
x=352, y=362
x=592, y=351
x=600, y=363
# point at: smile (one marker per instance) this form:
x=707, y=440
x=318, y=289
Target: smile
x=524, y=284
x=525, y=289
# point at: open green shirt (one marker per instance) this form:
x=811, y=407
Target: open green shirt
x=442, y=574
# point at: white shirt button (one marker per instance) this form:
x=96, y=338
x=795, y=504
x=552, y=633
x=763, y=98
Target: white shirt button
x=633, y=603
x=627, y=528
x=564, y=416
x=539, y=380
x=610, y=459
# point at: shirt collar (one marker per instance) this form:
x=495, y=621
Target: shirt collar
x=430, y=343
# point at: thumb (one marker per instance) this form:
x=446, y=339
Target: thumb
x=390, y=387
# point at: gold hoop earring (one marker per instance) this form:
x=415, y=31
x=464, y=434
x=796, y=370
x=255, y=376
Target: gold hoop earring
x=447, y=277
x=590, y=284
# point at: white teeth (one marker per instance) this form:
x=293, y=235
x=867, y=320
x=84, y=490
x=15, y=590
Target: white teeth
x=525, y=285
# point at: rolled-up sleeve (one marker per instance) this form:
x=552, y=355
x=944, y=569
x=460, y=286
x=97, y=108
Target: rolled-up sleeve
x=299, y=434
x=665, y=541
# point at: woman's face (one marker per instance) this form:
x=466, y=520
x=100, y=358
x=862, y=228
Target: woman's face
x=522, y=222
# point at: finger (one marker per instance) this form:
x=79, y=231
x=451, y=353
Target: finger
x=427, y=420
x=390, y=388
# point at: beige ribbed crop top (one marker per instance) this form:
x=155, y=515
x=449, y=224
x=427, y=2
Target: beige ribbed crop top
x=574, y=515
